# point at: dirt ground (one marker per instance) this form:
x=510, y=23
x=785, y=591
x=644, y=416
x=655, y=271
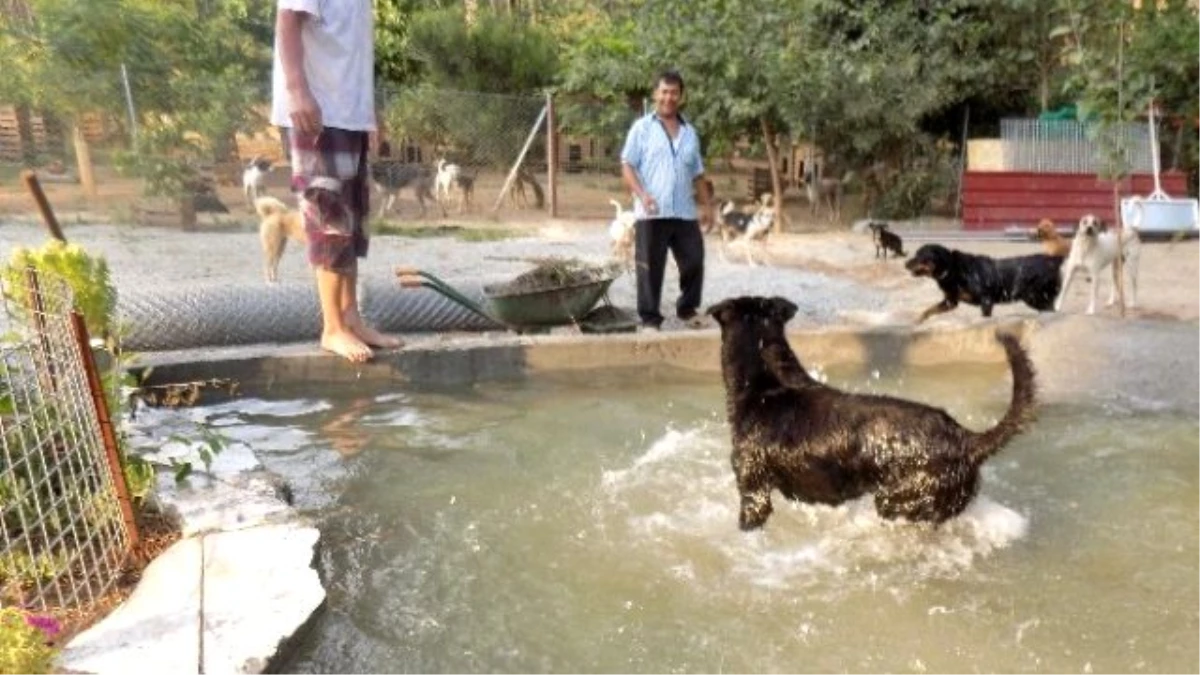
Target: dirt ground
x=1169, y=275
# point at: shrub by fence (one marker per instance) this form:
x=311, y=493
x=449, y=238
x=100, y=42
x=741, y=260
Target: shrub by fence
x=66, y=523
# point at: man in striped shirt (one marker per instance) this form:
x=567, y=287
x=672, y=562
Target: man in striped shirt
x=661, y=165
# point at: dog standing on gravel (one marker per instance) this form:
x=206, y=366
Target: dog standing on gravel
x=621, y=232
x=886, y=240
x=817, y=444
x=278, y=224
x=1094, y=248
x=986, y=281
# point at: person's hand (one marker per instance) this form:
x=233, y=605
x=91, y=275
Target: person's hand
x=305, y=113
x=706, y=217
x=650, y=205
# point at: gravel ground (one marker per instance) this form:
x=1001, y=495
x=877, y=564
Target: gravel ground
x=833, y=277
x=168, y=260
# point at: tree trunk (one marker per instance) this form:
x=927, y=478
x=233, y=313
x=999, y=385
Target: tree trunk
x=29, y=150
x=187, y=211
x=776, y=183
x=1044, y=88
x=83, y=160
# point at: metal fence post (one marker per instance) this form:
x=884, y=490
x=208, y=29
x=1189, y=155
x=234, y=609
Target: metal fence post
x=551, y=155
x=108, y=434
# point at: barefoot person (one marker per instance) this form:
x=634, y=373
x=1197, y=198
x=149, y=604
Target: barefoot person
x=323, y=96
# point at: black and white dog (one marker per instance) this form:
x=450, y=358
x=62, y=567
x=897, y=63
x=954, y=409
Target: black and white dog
x=254, y=179
x=391, y=176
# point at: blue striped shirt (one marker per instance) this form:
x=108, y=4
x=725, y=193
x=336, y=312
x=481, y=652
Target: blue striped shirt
x=665, y=167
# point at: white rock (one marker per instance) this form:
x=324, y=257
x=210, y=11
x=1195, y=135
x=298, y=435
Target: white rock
x=155, y=630
x=259, y=589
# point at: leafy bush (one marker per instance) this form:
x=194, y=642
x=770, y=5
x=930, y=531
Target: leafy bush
x=86, y=275
x=25, y=642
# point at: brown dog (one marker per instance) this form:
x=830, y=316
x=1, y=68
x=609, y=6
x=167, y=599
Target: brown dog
x=279, y=223
x=1054, y=243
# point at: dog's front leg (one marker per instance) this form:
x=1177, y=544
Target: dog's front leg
x=753, y=486
x=945, y=305
x=1068, y=275
x=1092, y=291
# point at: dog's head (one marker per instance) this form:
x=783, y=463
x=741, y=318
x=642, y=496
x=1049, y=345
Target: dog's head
x=752, y=310
x=749, y=324
x=1045, y=230
x=1090, y=226
x=928, y=261
x=877, y=226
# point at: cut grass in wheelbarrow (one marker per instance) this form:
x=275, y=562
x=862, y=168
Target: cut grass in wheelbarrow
x=555, y=292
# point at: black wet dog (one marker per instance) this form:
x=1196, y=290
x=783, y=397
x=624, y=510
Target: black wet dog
x=886, y=240
x=985, y=281
x=817, y=444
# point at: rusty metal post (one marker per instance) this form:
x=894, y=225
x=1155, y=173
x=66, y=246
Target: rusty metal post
x=48, y=219
x=107, y=432
x=551, y=155
x=37, y=308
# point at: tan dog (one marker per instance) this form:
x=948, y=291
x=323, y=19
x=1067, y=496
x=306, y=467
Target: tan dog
x=1054, y=243
x=279, y=223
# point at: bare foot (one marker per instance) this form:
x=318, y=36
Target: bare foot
x=348, y=346
x=370, y=336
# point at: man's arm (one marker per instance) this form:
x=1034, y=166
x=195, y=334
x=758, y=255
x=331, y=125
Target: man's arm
x=704, y=196
x=630, y=178
x=303, y=108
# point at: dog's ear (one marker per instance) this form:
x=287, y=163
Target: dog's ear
x=783, y=309
x=723, y=311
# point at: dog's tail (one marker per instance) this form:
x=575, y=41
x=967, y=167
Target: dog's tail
x=616, y=205
x=1020, y=410
x=267, y=206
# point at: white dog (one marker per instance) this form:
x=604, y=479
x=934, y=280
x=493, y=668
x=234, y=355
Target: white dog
x=1094, y=248
x=447, y=179
x=620, y=232
x=254, y=179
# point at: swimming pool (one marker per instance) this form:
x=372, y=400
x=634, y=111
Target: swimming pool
x=587, y=522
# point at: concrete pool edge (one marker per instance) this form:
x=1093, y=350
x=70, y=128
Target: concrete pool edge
x=464, y=358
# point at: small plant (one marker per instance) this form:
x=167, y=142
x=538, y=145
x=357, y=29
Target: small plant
x=26, y=642
x=211, y=445
x=86, y=275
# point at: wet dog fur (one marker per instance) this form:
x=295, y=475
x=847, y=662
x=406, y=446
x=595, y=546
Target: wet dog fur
x=277, y=224
x=817, y=444
x=985, y=281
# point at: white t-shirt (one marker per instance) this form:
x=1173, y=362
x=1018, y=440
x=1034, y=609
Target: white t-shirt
x=339, y=61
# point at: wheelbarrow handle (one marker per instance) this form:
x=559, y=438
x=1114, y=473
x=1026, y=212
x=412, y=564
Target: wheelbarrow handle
x=419, y=278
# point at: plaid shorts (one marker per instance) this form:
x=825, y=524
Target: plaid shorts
x=336, y=225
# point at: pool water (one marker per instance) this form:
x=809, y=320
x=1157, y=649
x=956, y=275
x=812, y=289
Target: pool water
x=588, y=523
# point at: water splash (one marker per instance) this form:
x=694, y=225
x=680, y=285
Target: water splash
x=679, y=496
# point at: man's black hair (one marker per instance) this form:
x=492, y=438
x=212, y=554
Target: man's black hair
x=670, y=76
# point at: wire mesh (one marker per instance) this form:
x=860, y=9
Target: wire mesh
x=63, y=540
x=1068, y=146
x=483, y=134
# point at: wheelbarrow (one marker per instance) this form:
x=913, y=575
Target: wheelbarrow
x=534, y=310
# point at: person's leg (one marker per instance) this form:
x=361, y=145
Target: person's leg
x=650, y=255
x=687, y=245
x=336, y=335
x=331, y=253
x=356, y=194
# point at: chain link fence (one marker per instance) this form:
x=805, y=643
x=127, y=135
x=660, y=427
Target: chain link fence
x=64, y=532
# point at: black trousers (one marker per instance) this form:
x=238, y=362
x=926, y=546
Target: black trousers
x=652, y=240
